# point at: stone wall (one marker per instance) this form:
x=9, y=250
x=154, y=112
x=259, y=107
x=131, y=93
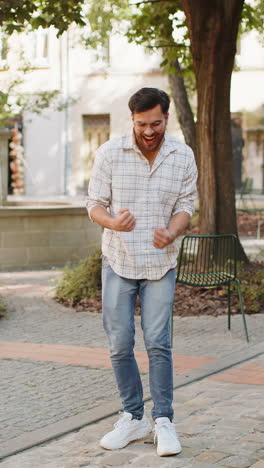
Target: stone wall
x=37, y=237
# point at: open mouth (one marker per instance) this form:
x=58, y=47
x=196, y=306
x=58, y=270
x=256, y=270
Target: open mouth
x=149, y=140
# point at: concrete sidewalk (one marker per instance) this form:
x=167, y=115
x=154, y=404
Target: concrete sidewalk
x=56, y=379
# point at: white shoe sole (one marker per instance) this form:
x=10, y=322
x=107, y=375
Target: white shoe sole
x=168, y=453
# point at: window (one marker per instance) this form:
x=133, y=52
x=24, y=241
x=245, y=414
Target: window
x=37, y=47
x=96, y=129
x=106, y=52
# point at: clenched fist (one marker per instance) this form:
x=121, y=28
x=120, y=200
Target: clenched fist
x=162, y=237
x=124, y=221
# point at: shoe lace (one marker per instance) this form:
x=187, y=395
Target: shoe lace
x=122, y=423
x=159, y=427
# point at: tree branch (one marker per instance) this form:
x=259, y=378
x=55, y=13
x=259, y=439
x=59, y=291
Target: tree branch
x=149, y=1
x=165, y=45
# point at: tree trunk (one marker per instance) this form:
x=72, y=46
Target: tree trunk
x=182, y=106
x=213, y=27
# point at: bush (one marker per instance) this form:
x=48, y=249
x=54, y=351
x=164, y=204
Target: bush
x=80, y=287
x=252, y=287
x=81, y=281
x=2, y=307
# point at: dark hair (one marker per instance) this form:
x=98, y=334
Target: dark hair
x=147, y=98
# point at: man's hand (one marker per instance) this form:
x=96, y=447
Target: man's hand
x=162, y=238
x=124, y=221
x=177, y=225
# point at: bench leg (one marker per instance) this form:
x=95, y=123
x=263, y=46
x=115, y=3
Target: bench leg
x=229, y=306
x=242, y=307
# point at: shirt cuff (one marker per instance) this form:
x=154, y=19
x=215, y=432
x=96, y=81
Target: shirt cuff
x=187, y=209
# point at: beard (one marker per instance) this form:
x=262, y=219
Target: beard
x=149, y=144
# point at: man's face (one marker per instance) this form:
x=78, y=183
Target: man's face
x=149, y=128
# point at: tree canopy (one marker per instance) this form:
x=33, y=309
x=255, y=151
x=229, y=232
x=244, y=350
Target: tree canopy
x=158, y=24
x=15, y=15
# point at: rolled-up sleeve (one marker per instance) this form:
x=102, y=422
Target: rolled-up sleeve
x=188, y=193
x=99, y=190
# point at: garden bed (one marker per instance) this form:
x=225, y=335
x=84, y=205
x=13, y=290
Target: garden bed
x=191, y=301
x=188, y=301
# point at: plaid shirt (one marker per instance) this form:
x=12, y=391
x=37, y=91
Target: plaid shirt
x=122, y=178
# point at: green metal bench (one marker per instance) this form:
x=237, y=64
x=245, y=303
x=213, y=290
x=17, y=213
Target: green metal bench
x=210, y=261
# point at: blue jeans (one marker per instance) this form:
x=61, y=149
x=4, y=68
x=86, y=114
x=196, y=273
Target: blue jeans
x=156, y=298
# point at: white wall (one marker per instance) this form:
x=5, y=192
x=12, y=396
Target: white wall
x=247, y=90
x=44, y=154
x=247, y=86
x=250, y=55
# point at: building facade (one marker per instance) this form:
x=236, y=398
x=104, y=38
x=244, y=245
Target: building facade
x=59, y=144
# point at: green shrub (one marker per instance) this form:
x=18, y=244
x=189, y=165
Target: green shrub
x=84, y=282
x=252, y=287
x=251, y=277
x=81, y=281
x=2, y=307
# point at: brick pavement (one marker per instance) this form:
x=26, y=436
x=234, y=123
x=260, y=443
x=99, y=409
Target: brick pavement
x=84, y=356
x=220, y=424
x=56, y=365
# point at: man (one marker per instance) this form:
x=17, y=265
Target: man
x=141, y=191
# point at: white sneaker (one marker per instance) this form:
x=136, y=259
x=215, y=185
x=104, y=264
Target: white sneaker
x=126, y=430
x=166, y=438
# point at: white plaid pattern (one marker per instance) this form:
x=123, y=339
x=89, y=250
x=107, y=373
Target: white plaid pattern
x=122, y=178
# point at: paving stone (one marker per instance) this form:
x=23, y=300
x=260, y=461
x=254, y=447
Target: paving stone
x=146, y=461
x=88, y=466
x=253, y=437
x=233, y=448
x=258, y=464
x=260, y=453
x=116, y=459
x=195, y=464
x=189, y=452
x=191, y=429
x=237, y=462
x=164, y=462
x=94, y=452
x=210, y=457
x=202, y=419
